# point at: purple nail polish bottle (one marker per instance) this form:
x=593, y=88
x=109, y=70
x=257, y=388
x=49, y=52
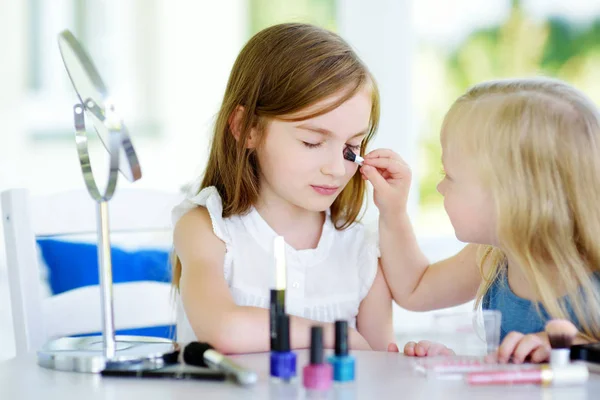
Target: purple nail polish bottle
x=283, y=360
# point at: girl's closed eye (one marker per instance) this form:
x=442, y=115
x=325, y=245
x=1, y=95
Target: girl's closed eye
x=354, y=147
x=312, y=145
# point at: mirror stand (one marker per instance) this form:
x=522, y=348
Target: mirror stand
x=95, y=353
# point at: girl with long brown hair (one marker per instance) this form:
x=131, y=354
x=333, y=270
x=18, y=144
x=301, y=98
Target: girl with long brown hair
x=298, y=96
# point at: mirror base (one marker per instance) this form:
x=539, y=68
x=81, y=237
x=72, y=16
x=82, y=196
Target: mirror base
x=85, y=354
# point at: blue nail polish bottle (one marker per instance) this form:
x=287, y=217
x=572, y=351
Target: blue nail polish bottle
x=343, y=363
x=283, y=361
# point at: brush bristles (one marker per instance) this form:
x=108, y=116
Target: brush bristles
x=560, y=341
x=349, y=154
x=561, y=333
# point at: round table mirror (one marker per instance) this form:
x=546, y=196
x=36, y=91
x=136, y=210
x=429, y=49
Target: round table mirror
x=94, y=353
x=98, y=106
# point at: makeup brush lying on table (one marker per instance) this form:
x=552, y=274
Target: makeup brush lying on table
x=204, y=355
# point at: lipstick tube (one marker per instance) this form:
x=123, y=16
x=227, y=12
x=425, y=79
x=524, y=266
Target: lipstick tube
x=277, y=303
x=574, y=374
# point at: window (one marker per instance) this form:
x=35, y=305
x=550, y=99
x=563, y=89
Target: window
x=119, y=37
x=264, y=13
x=493, y=40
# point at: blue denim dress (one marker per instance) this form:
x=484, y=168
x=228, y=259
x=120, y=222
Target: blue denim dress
x=519, y=314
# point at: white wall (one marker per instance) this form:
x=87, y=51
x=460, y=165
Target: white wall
x=381, y=33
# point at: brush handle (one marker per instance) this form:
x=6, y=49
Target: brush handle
x=560, y=357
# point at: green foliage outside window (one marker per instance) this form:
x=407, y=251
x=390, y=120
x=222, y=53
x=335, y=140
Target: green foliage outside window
x=264, y=13
x=519, y=47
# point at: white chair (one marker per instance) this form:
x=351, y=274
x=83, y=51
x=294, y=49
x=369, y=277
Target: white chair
x=37, y=318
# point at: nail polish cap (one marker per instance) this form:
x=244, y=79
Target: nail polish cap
x=316, y=345
x=341, y=338
x=283, y=334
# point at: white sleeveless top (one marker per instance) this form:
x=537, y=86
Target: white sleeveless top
x=323, y=284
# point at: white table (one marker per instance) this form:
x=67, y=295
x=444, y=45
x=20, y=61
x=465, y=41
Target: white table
x=380, y=376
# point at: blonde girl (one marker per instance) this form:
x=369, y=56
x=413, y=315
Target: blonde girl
x=522, y=187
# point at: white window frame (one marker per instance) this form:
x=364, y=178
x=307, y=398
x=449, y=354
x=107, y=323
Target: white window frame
x=381, y=33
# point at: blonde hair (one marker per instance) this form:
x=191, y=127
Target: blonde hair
x=536, y=145
x=282, y=70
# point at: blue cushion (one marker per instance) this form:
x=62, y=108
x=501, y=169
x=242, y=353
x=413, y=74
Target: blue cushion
x=72, y=265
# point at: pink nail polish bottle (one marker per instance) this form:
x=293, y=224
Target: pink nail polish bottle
x=317, y=375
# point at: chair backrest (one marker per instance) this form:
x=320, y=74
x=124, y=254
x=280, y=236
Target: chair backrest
x=36, y=318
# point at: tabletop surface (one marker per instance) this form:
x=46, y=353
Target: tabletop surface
x=380, y=375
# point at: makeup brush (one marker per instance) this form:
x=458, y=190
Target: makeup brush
x=352, y=156
x=561, y=334
x=204, y=355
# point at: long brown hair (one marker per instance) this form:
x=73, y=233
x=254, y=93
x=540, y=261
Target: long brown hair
x=282, y=70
